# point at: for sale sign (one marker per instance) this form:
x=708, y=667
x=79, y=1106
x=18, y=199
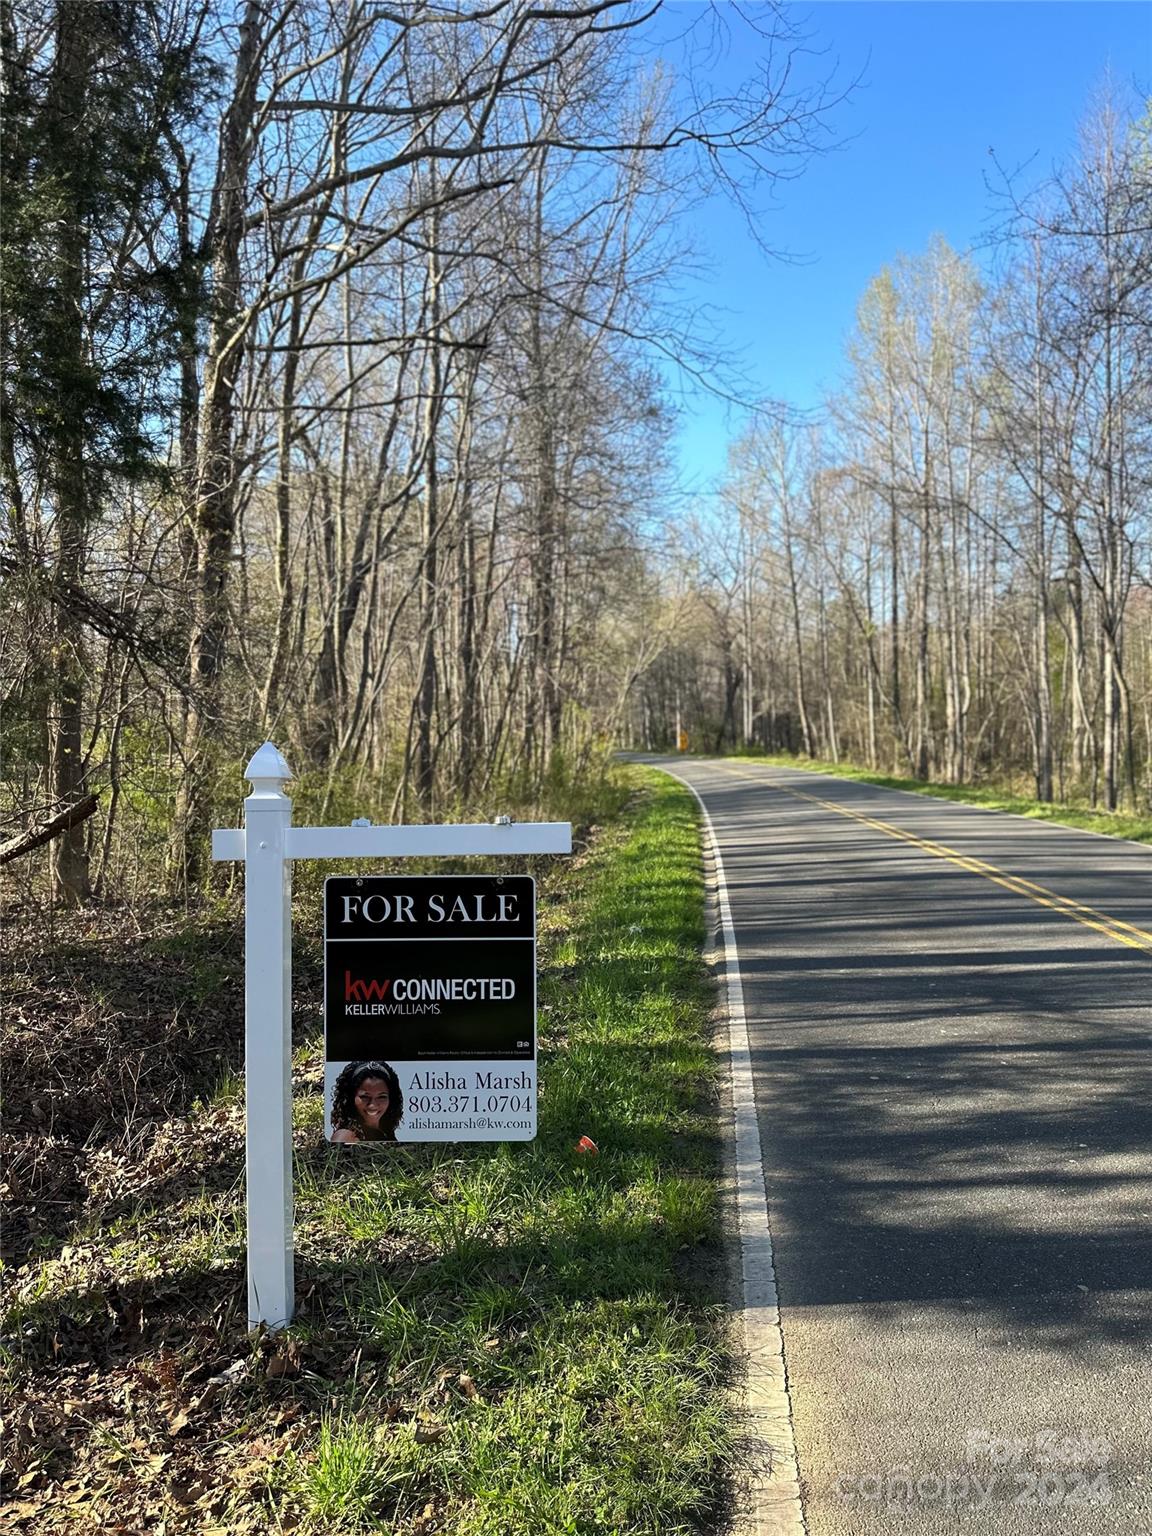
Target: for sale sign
x=430, y=1008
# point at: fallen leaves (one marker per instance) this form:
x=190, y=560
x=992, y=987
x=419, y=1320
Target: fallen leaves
x=103, y=1016
x=428, y=1520
x=149, y=1408
x=231, y=1376
x=285, y=1361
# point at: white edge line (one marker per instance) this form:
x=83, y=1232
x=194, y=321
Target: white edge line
x=774, y=1481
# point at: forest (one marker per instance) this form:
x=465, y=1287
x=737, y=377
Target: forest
x=337, y=412
x=947, y=575
x=331, y=413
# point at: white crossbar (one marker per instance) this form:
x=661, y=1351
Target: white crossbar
x=409, y=842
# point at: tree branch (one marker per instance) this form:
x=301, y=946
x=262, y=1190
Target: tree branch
x=70, y=817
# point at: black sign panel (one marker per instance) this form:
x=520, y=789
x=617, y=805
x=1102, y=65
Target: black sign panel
x=427, y=999
x=427, y=972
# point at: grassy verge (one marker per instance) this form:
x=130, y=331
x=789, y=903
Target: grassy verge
x=491, y=1339
x=994, y=797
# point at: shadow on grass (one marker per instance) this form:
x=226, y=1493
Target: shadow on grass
x=599, y=1244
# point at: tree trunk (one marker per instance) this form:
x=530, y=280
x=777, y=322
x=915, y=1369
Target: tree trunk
x=429, y=596
x=215, y=478
x=798, y=645
x=922, y=654
x=68, y=95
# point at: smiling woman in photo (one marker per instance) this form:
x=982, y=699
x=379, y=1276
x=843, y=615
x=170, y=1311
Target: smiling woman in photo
x=367, y=1104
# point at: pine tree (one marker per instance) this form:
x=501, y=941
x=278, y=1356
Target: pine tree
x=93, y=297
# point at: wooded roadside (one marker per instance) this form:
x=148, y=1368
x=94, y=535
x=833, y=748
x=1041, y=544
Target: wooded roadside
x=489, y=1337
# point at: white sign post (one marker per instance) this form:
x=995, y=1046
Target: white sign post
x=267, y=844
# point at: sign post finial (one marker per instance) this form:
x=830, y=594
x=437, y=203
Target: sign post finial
x=268, y=772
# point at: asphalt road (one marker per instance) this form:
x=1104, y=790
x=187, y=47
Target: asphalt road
x=953, y=1082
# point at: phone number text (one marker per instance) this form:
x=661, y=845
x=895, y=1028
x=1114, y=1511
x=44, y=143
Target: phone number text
x=469, y=1103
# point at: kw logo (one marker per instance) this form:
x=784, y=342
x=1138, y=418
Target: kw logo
x=362, y=989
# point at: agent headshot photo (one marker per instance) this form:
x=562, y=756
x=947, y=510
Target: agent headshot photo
x=367, y=1104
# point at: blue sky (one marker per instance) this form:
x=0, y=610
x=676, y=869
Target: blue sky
x=942, y=83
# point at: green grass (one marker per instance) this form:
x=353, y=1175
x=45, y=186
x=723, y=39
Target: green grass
x=993, y=797
x=348, y=1476
x=494, y=1340
x=548, y=1283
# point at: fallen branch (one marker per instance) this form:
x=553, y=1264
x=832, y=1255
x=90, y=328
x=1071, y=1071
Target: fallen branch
x=69, y=817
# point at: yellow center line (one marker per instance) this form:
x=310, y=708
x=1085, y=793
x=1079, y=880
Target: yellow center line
x=1111, y=927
